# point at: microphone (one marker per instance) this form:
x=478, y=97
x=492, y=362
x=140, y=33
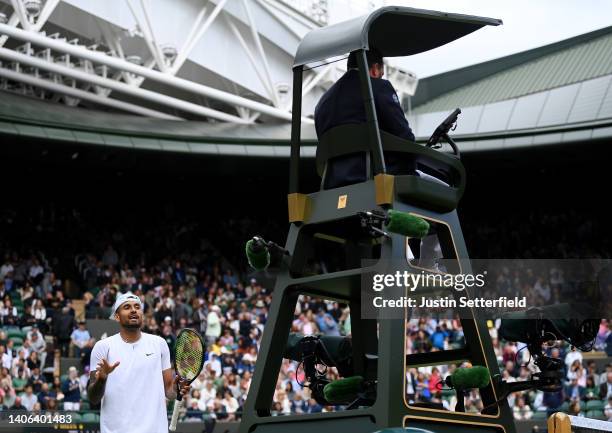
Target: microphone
x=406, y=224
x=258, y=253
x=401, y=223
x=468, y=378
x=343, y=390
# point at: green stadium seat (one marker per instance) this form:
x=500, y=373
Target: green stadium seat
x=564, y=407
x=596, y=414
x=539, y=415
x=90, y=417
x=85, y=405
x=63, y=378
x=595, y=405
x=17, y=302
x=9, y=329
x=18, y=341
x=76, y=417
x=15, y=332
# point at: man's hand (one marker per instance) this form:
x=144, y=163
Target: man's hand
x=182, y=385
x=104, y=369
x=95, y=389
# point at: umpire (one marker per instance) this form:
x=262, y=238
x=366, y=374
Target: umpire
x=343, y=104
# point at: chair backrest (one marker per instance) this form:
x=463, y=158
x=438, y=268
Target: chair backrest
x=353, y=138
x=339, y=141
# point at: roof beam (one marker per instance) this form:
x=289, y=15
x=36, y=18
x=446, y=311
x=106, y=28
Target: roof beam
x=45, y=13
x=194, y=28
x=21, y=14
x=298, y=16
x=262, y=54
x=157, y=76
x=82, y=94
x=186, y=50
x=280, y=19
x=250, y=56
x=13, y=21
x=147, y=34
x=119, y=86
x=318, y=77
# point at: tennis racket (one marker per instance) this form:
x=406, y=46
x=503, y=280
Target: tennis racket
x=188, y=362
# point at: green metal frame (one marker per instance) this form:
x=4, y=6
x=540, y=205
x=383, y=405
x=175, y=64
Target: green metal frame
x=384, y=337
x=390, y=409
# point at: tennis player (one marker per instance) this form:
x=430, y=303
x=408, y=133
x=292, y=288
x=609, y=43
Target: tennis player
x=131, y=375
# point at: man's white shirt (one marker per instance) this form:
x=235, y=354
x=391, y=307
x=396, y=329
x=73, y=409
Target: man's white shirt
x=134, y=397
x=5, y=269
x=7, y=360
x=35, y=270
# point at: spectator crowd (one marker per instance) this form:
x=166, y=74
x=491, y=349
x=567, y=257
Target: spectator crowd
x=184, y=281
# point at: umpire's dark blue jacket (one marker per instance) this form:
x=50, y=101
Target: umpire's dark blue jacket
x=343, y=104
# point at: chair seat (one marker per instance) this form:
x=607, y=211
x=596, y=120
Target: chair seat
x=15, y=333
x=429, y=178
x=426, y=193
x=596, y=414
x=18, y=341
x=595, y=405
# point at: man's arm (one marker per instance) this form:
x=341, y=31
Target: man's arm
x=95, y=389
x=167, y=372
x=97, y=380
x=99, y=370
x=169, y=385
x=390, y=114
x=170, y=381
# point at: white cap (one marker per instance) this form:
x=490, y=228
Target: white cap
x=122, y=299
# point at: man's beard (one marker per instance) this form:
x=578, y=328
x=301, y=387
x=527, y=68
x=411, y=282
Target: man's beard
x=129, y=325
x=132, y=326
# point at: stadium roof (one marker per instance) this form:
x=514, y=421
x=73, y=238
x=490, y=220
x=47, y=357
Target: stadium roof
x=570, y=61
x=29, y=117
x=553, y=94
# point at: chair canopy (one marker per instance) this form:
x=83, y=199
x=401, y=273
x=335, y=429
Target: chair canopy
x=393, y=31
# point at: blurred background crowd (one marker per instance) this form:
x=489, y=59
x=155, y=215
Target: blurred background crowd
x=61, y=268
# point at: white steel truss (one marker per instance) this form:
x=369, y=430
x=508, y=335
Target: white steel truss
x=103, y=72
x=132, y=61
x=73, y=92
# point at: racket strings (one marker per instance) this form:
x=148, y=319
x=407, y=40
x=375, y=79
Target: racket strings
x=189, y=355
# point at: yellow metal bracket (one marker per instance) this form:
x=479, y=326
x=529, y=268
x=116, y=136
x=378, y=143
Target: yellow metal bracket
x=384, y=188
x=299, y=207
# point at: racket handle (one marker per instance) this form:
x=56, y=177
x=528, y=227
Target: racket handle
x=175, y=414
